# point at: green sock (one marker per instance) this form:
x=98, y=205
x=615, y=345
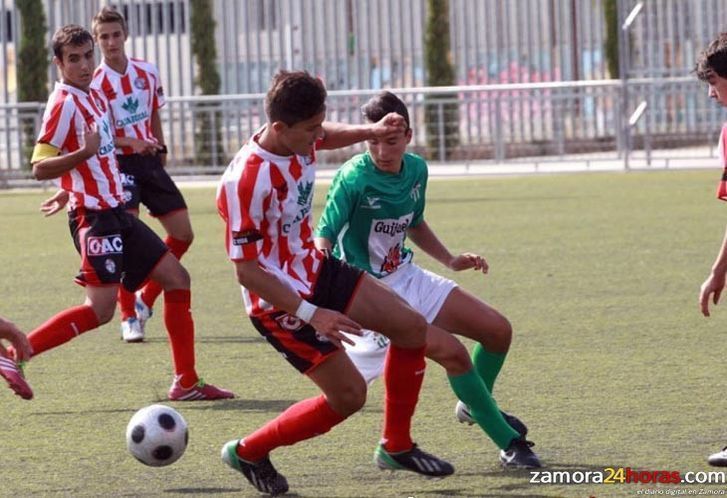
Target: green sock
x=472, y=391
x=487, y=364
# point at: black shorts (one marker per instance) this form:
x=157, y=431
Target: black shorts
x=146, y=181
x=115, y=247
x=298, y=341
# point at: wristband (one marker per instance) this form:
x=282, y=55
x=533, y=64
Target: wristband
x=305, y=311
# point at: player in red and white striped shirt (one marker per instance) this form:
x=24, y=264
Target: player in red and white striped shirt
x=134, y=91
x=300, y=299
x=76, y=146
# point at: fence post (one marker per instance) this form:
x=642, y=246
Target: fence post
x=214, y=138
x=624, y=67
x=440, y=132
x=499, y=145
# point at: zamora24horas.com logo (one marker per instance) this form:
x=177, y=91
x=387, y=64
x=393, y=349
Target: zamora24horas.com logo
x=627, y=475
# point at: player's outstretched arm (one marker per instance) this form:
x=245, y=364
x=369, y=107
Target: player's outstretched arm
x=48, y=168
x=10, y=332
x=338, y=135
x=55, y=203
x=714, y=284
x=266, y=285
x=425, y=238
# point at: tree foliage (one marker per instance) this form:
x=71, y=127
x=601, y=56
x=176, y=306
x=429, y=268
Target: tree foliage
x=441, y=111
x=208, y=135
x=610, y=12
x=32, y=65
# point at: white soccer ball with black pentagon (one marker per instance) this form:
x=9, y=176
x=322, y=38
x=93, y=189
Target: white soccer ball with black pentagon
x=157, y=435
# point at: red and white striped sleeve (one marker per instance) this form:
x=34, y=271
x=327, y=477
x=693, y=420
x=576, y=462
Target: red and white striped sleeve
x=243, y=201
x=58, y=122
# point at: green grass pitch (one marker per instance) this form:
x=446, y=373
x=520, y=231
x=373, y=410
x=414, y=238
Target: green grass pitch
x=612, y=365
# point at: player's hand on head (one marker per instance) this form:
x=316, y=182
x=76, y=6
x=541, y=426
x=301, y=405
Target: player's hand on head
x=391, y=124
x=468, y=260
x=55, y=203
x=331, y=324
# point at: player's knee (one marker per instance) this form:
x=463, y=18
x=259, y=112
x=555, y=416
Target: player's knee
x=415, y=328
x=178, y=279
x=349, y=399
x=453, y=357
x=104, y=312
x=501, y=335
x=186, y=236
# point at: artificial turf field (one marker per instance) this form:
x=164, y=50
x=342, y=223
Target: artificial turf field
x=612, y=365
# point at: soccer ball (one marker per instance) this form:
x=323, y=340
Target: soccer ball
x=157, y=435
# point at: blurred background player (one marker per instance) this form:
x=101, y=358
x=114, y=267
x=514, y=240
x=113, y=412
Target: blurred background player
x=300, y=299
x=134, y=90
x=711, y=68
x=375, y=201
x=9, y=369
x=76, y=146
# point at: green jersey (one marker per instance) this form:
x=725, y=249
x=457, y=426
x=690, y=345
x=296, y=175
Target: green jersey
x=368, y=212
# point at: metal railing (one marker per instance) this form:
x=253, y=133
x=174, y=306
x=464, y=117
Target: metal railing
x=582, y=121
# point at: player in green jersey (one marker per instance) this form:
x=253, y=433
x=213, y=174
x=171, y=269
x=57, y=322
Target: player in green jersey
x=376, y=200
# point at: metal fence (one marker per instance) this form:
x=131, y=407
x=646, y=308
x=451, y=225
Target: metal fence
x=526, y=124
x=350, y=44
x=512, y=105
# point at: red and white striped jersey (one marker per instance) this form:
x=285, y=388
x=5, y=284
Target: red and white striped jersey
x=134, y=96
x=95, y=183
x=266, y=203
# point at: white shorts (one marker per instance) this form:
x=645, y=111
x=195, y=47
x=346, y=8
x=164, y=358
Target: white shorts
x=425, y=291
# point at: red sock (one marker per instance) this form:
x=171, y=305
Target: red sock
x=305, y=419
x=62, y=328
x=180, y=328
x=151, y=290
x=126, y=303
x=403, y=376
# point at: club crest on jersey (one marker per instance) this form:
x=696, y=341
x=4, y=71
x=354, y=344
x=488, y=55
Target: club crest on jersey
x=289, y=322
x=141, y=83
x=392, y=260
x=99, y=102
x=110, y=266
x=246, y=237
x=102, y=246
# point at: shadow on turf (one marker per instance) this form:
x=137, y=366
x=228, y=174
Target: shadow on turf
x=248, y=405
x=205, y=491
x=211, y=339
x=469, y=200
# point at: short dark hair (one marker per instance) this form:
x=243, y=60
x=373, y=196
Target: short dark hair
x=70, y=34
x=713, y=59
x=294, y=96
x=108, y=15
x=382, y=104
